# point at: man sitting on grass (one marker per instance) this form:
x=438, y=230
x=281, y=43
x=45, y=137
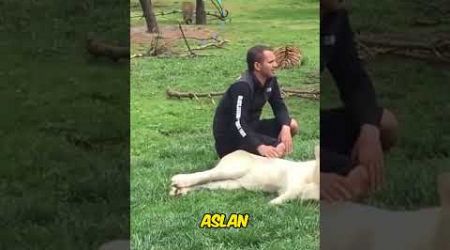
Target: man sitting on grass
x=237, y=123
x=353, y=139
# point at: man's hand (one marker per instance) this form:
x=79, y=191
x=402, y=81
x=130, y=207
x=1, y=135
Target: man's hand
x=334, y=187
x=369, y=153
x=286, y=138
x=269, y=151
x=358, y=179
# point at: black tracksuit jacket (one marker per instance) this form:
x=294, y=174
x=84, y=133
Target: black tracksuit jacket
x=241, y=107
x=339, y=55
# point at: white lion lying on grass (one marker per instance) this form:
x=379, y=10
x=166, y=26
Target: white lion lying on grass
x=351, y=226
x=240, y=169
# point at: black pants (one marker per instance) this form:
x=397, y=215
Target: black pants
x=267, y=131
x=338, y=134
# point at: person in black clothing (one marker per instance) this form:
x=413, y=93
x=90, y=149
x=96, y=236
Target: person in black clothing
x=237, y=123
x=353, y=138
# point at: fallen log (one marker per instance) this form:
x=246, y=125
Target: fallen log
x=99, y=48
x=308, y=94
x=372, y=40
x=218, y=45
x=371, y=45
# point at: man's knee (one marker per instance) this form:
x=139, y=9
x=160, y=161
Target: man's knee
x=389, y=129
x=294, y=127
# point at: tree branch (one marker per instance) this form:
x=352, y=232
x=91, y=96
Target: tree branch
x=185, y=41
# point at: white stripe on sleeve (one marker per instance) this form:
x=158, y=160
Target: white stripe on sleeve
x=238, y=116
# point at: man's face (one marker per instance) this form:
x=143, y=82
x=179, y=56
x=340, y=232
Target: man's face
x=268, y=65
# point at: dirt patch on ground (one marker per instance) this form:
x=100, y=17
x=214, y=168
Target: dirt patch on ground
x=171, y=34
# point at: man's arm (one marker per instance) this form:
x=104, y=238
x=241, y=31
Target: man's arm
x=353, y=82
x=278, y=106
x=282, y=115
x=241, y=102
x=359, y=98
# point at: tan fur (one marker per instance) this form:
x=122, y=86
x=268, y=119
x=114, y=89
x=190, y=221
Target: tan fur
x=240, y=169
x=351, y=226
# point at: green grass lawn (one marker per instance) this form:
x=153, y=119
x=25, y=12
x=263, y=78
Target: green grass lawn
x=64, y=127
x=418, y=93
x=173, y=136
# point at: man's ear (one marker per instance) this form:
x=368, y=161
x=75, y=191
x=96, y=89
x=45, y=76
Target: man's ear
x=257, y=66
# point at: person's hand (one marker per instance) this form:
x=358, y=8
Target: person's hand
x=358, y=180
x=269, y=151
x=334, y=187
x=286, y=138
x=369, y=153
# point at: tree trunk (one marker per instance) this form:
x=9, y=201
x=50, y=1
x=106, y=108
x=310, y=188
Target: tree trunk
x=200, y=14
x=150, y=19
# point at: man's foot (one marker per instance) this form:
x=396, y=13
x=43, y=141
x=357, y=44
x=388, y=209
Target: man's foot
x=389, y=129
x=294, y=127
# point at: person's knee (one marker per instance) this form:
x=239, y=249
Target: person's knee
x=389, y=129
x=294, y=127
